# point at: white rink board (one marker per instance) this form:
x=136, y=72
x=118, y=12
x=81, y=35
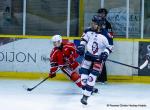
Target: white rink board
x=24, y=55
x=124, y=52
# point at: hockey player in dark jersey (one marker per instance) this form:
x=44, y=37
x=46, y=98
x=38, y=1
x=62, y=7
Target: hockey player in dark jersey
x=102, y=13
x=106, y=30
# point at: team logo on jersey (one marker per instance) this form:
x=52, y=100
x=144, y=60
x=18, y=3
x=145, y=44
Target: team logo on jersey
x=95, y=47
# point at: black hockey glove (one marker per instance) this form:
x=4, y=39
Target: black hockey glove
x=81, y=50
x=103, y=56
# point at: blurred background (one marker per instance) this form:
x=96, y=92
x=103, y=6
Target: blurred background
x=129, y=18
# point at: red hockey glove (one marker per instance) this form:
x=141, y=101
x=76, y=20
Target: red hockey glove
x=71, y=59
x=74, y=65
x=52, y=75
x=52, y=72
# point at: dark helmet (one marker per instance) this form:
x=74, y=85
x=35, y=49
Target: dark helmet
x=98, y=20
x=102, y=10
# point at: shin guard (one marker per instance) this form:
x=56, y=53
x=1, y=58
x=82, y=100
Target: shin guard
x=75, y=77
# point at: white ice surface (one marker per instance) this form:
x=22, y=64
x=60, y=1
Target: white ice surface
x=66, y=96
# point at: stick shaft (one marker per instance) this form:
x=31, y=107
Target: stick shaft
x=39, y=83
x=123, y=64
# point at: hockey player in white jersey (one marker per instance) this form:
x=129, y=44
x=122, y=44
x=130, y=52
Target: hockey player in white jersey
x=96, y=49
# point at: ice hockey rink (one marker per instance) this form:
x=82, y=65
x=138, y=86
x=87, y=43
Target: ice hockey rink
x=55, y=95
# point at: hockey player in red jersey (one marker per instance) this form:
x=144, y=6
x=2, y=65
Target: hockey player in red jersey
x=63, y=56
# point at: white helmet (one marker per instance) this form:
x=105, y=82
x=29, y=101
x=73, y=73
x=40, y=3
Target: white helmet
x=57, y=38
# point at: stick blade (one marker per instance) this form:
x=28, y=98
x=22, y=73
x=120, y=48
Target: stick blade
x=144, y=64
x=29, y=89
x=26, y=88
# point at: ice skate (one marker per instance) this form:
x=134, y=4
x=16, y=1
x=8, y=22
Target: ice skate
x=84, y=100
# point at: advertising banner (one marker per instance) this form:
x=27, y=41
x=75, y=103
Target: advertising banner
x=24, y=55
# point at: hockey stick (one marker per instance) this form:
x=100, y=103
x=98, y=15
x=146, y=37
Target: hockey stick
x=135, y=67
x=30, y=89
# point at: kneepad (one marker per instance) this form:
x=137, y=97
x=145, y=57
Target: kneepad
x=74, y=76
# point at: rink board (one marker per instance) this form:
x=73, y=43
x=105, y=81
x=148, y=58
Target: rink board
x=22, y=55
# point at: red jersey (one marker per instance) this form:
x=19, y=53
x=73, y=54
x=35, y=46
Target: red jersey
x=65, y=54
x=64, y=57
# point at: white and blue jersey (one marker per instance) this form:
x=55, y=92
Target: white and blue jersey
x=95, y=43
